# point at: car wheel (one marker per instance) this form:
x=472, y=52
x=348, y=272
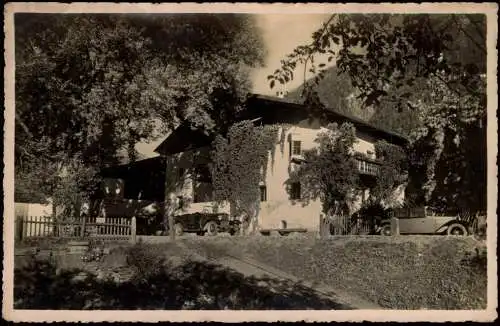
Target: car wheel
x=386, y=230
x=211, y=228
x=457, y=229
x=179, y=229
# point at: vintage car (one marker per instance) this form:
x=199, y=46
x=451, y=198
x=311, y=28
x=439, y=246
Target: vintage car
x=205, y=223
x=150, y=217
x=424, y=221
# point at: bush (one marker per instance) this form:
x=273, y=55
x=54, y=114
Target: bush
x=144, y=261
x=373, y=214
x=477, y=260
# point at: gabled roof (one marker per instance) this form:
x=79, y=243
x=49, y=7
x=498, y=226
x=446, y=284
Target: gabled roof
x=270, y=110
x=182, y=139
x=121, y=171
x=333, y=116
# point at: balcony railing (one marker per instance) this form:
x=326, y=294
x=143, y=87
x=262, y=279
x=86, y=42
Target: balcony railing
x=367, y=167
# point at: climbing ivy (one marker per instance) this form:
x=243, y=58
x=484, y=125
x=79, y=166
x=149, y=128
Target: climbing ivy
x=239, y=164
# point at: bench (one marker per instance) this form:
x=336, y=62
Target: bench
x=282, y=232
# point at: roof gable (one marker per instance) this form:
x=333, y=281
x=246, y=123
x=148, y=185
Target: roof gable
x=270, y=110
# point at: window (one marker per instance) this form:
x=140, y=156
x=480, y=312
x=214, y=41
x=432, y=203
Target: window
x=295, y=191
x=181, y=202
x=263, y=193
x=202, y=192
x=296, y=150
x=202, y=173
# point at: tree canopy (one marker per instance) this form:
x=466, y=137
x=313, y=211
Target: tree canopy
x=90, y=86
x=430, y=67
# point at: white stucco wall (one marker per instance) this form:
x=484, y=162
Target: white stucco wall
x=33, y=209
x=33, y=212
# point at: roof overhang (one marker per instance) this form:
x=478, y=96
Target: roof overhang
x=268, y=110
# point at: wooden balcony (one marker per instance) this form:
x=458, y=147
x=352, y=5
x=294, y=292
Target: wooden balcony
x=368, y=167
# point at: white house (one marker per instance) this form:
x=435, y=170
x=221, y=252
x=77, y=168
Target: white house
x=187, y=155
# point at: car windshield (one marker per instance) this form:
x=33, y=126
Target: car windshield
x=410, y=212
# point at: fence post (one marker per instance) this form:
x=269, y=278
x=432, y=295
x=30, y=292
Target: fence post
x=133, y=230
x=82, y=232
x=395, y=226
x=25, y=226
x=19, y=228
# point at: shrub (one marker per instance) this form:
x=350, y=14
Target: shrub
x=144, y=261
x=477, y=260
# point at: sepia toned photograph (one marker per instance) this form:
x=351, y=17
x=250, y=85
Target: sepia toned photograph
x=219, y=160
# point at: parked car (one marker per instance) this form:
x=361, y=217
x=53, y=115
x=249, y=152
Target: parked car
x=424, y=221
x=205, y=223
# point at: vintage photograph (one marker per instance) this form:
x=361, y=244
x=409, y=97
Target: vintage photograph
x=211, y=160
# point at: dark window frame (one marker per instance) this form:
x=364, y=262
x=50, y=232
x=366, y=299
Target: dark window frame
x=295, y=191
x=296, y=144
x=263, y=193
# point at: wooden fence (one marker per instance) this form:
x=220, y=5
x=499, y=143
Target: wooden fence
x=343, y=225
x=114, y=228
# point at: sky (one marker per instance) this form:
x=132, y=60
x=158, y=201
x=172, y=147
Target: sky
x=281, y=34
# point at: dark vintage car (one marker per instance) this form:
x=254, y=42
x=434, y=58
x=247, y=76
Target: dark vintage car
x=205, y=223
x=424, y=221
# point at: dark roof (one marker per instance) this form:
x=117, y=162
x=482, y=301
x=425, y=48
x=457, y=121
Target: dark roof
x=124, y=170
x=270, y=110
x=183, y=139
x=332, y=115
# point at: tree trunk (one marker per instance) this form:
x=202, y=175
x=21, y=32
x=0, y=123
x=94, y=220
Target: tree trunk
x=169, y=203
x=171, y=217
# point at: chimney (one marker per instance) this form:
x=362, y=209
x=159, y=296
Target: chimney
x=283, y=92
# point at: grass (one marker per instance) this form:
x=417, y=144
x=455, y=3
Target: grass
x=407, y=272
x=159, y=282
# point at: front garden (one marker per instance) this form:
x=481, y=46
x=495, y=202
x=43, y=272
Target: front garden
x=399, y=272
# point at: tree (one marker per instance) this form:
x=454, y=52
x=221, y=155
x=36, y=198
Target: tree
x=75, y=98
x=329, y=172
x=393, y=172
x=89, y=86
x=402, y=60
x=452, y=171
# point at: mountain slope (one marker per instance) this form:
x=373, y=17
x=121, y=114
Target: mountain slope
x=337, y=93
